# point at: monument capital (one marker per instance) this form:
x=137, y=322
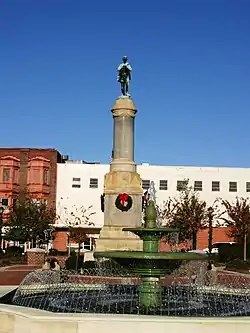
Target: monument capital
x=124, y=106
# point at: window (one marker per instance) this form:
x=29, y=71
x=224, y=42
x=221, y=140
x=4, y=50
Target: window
x=181, y=185
x=36, y=176
x=5, y=202
x=215, y=186
x=145, y=184
x=16, y=176
x=163, y=185
x=247, y=186
x=232, y=186
x=76, y=185
x=93, y=183
x=76, y=182
x=88, y=244
x=46, y=177
x=197, y=185
x=6, y=175
x=76, y=179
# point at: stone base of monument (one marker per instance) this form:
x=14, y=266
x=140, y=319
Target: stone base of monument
x=113, y=238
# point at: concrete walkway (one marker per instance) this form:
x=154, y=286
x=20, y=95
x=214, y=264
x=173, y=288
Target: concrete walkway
x=6, y=289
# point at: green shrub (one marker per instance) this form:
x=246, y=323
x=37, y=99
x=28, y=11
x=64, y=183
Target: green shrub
x=13, y=251
x=89, y=264
x=62, y=253
x=53, y=252
x=229, y=252
x=238, y=264
x=5, y=262
x=71, y=262
x=1, y=253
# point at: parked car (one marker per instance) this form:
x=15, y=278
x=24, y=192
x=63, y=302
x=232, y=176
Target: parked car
x=216, y=246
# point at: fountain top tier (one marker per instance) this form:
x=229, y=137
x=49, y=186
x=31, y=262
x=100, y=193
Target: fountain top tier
x=150, y=231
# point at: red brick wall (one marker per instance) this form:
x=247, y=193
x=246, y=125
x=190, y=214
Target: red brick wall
x=38, y=259
x=35, y=258
x=24, y=155
x=60, y=241
x=219, y=235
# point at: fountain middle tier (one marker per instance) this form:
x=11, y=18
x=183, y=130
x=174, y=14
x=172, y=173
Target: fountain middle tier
x=154, y=264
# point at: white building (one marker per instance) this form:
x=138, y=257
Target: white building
x=80, y=184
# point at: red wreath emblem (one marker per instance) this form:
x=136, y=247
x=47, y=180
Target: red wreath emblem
x=123, y=202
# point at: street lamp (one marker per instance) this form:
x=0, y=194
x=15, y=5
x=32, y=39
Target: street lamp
x=1, y=216
x=48, y=238
x=1, y=211
x=1, y=221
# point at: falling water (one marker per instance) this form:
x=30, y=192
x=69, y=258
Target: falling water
x=66, y=292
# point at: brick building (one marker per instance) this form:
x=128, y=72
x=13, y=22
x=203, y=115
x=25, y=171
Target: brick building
x=30, y=169
x=220, y=234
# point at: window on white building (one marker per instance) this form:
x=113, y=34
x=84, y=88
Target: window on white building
x=197, y=185
x=247, y=186
x=145, y=184
x=93, y=183
x=163, y=185
x=232, y=186
x=181, y=185
x=76, y=182
x=215, y=186
x=88, y=244
x=76, y=186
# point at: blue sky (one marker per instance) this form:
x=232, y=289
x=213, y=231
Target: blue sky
x=191, y=77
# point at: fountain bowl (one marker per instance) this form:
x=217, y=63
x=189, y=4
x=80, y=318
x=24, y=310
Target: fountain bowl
x=149, y=263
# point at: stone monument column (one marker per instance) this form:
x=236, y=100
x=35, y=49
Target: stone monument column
x=122, y=179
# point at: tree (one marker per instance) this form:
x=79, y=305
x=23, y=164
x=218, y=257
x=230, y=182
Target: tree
x=74, y=220
x=79, y=236
x=189, y=216
x=212, y=212
x=28, y=219
x=237, y=217
x=166, y=213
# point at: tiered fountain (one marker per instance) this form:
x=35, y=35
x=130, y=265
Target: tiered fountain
x=150, y=264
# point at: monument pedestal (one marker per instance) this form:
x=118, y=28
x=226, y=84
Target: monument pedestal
x=122, y=179
x=113, y=238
